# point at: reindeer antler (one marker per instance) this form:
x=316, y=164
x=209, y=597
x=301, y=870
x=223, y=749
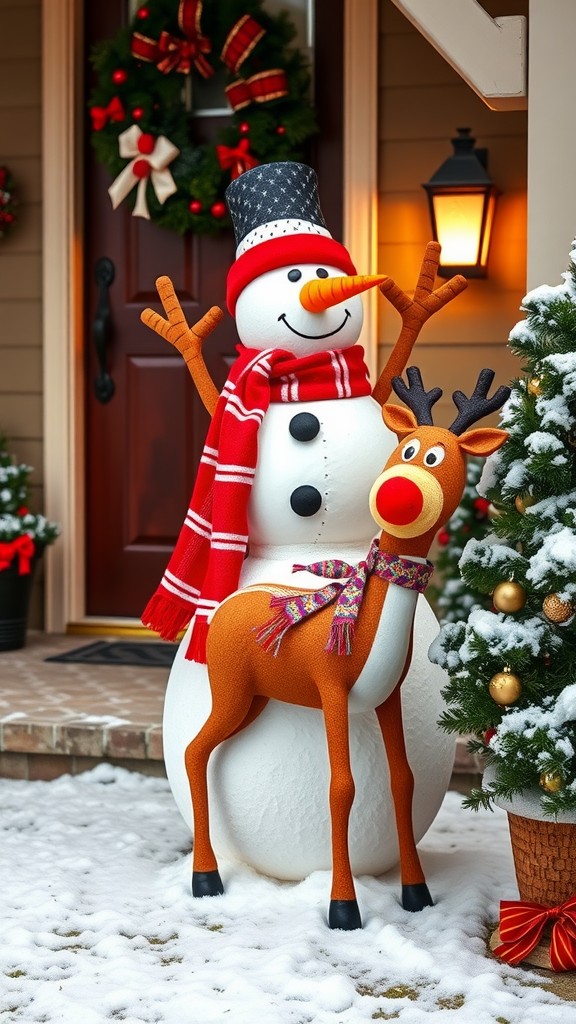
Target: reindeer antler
x=187, y=340
x=414, y=312
x=416, y=397
x=472, y=409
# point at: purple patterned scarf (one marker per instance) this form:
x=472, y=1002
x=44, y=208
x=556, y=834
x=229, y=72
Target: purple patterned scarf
x=293, y=608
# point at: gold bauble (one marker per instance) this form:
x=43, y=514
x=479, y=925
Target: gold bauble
x=509, y=596
x=523, y=501
x=556, y=610
x=534, y=386
x=552, y=782
x=505, y=687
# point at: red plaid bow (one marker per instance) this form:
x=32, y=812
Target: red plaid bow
x=176, y=53
x=22, y=547
x=521, y=927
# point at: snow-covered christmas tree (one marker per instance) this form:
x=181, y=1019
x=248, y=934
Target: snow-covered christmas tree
x=451, y=595
x=513, y=670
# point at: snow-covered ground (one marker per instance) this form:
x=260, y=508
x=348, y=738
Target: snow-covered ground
x=97, y=924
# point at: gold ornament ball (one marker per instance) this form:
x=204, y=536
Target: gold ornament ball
x=523, y=501
x=552, y=782
x=556, y=610
x=509, y=596
x=534, y=386
x=505, y=688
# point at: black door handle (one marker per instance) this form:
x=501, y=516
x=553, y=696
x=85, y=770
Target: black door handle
x=104, y=273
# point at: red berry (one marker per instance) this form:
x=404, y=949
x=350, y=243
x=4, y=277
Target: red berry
x=23, y=510
x=488, y=735
x=195, y=206
x=146, y=143
x=218, y=210
x=119, y=76
x=138, y=114
x=141, y=168
x=482, y=505
x=143, y=13
x=280, y=130
x=443, y=537
x=244, y=127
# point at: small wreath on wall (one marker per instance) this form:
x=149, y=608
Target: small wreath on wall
x=141, y=116
x=8, y=202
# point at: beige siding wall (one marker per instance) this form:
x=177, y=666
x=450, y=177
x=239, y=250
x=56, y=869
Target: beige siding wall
x=20, y=252
x=422, y=101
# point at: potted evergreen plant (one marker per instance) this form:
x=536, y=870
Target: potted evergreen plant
x=23, y=537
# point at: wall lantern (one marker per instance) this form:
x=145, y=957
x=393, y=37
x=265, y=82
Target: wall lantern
x=462, y=200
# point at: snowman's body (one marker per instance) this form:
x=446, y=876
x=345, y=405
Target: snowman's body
x=269, y=784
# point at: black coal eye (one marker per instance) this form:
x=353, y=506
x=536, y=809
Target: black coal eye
x=321, y=272
x=294, y=275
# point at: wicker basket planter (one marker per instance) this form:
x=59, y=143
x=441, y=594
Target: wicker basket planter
x=544, y=852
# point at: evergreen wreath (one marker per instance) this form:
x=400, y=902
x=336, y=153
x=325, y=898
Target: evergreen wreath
x=141, y=127
x=8, y=202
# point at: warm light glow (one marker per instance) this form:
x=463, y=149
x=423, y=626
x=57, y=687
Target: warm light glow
x=459, y=224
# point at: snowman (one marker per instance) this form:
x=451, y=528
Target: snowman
x=295, y=443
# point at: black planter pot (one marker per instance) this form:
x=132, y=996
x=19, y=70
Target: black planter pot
x=15, y=591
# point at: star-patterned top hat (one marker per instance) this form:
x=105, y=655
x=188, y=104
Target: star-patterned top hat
x=278, y=222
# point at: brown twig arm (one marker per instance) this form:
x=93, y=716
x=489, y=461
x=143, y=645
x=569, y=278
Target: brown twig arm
x=187, y=340
x=414, y=312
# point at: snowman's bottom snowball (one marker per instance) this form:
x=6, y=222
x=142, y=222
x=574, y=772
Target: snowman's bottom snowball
x=269, y=784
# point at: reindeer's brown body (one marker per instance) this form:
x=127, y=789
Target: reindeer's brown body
x=244, y=676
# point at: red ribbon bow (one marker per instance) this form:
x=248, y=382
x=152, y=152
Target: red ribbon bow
x=101, y=115
x=521, y=927
x=238, y=159
x=174, y=53
x=23, y=547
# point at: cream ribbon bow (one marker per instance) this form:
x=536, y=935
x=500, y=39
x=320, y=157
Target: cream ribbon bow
x=164, y=153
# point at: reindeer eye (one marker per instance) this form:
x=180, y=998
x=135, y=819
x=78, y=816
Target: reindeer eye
x=434, y=456
x=410, y=450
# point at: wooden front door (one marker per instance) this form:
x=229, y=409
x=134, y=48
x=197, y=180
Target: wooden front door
x=143, y=443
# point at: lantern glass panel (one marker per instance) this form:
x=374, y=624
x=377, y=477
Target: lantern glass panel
x=459, y=227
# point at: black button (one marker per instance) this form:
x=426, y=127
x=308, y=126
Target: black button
x=304, y=426
x=305, y=500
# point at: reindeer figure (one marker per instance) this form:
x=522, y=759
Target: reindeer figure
x=355, y=657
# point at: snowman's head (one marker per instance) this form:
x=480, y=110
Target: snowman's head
x=274, y=311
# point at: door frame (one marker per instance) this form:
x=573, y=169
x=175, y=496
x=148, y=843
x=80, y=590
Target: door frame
x=63, y=135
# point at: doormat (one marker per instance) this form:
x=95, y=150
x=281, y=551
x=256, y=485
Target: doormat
x=121, y=652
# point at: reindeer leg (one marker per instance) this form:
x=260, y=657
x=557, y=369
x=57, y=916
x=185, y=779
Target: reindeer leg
x=225, y=719
x=344, y=912
x=415, y=894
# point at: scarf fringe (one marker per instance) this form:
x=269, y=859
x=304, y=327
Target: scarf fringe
x=340, y=638
x=197, y=647
x=272, y=633
x=165, y=616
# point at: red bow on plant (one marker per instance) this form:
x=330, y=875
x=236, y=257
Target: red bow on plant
x=101, y=115
x=23, y=547
x=521, y=927
x=177, y=53
x=238, y=159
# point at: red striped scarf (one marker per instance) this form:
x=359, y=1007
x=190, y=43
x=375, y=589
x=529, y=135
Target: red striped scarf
x=206, y=562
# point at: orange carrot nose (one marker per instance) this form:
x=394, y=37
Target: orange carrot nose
x=321, y=293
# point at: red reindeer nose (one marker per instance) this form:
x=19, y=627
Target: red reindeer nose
x=399, y=501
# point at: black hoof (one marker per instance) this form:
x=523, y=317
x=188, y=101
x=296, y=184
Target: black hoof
x=344, y=914
x=416, y=897
x=206, y=883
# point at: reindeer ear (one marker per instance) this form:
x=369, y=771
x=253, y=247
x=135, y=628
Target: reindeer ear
x=482, y=440
x=400, y=420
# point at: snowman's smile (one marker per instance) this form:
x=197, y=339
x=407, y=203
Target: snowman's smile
x=314, y=337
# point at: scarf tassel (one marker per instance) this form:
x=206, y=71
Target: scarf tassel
x=340, y=638
x=272, y=633
x=166, y=617
x=197, y=646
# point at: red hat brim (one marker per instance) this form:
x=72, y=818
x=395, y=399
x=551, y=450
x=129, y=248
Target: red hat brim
x=286, y=251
